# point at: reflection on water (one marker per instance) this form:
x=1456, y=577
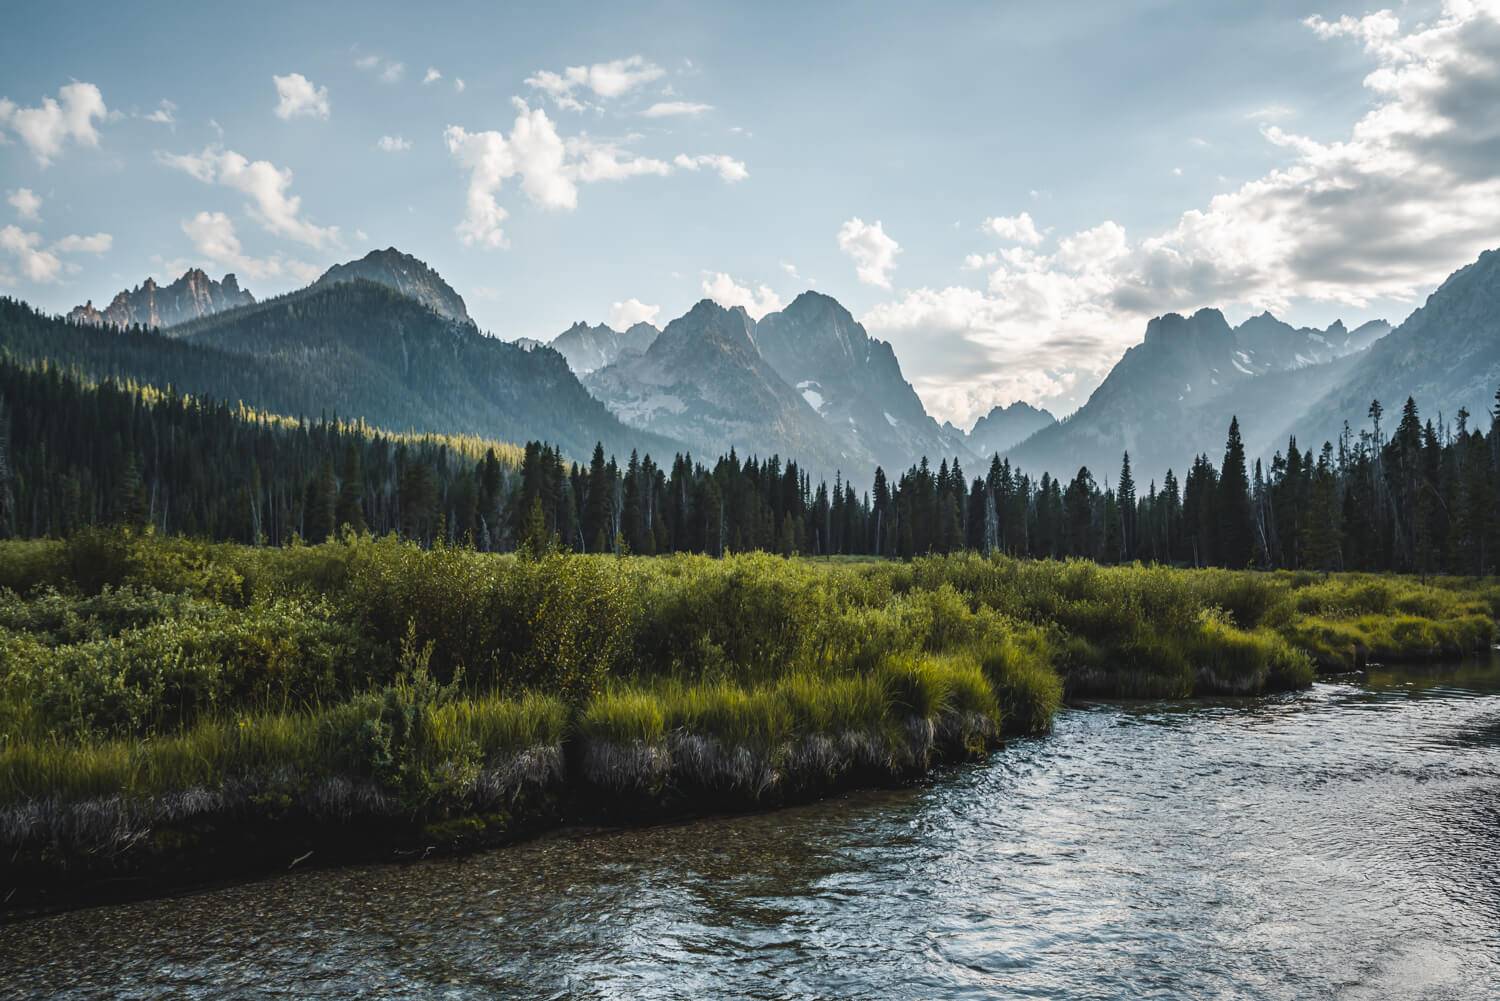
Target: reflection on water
x=1343, y=842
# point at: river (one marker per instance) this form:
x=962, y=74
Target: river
x=1338, y=843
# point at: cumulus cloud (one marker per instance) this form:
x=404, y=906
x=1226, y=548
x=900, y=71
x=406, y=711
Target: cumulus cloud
x=550, y=169
x=26, y=202
x=56, y=122
x=393, y=144
x=675, y=109
x=724, y=290
x=299, y=98
x=1014, y=229
x=432, y=75
x=624, y=315
x=458, y=85
x=36, y=265
x=266, y=185
x=1411, y=193
x=214, y=240
x=603, y=80
x=873, y=252
x=42, y=265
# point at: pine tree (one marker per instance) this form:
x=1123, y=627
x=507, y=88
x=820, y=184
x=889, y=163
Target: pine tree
x=351, y=499
x=1235, y=545
x=1125, y=502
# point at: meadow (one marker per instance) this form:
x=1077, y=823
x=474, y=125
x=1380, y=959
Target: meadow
x=160, y=697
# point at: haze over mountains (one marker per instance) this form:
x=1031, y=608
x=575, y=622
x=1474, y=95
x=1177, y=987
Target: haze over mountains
x=1172, y=396
x=384, y=338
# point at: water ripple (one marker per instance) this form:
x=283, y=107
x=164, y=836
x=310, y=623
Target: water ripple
x=1340, y=843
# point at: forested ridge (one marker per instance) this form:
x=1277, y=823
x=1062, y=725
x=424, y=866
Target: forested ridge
x=356, y=349
x=1419, y=498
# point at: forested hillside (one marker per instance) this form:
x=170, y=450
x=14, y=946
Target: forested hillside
x=74, y=456
x=356, y=350
x=1422, y=498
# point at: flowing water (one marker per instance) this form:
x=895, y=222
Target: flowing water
x=1337, y=843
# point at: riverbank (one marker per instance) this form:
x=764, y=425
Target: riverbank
x=175, y=711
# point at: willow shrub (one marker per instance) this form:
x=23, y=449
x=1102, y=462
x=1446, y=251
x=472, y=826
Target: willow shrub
x=168, y=672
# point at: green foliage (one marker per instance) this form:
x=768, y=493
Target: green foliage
x=139, y=664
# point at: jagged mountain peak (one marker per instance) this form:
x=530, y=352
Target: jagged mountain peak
x=192, y=296
x=1004, y=427
x=590, y=348
x=406, y=274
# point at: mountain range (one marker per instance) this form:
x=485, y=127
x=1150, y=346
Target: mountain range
x=1172, y=396
x=385, y=339
x=590, y=348
x=191, y=297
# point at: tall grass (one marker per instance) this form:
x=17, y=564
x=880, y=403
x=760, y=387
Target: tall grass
x=136, y=668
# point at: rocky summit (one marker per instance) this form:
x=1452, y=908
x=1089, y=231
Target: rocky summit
x=191, y=297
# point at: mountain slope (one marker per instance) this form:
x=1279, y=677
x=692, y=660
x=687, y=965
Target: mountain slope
x=404, y=274
x=190, y=297
x=588, y=349
x=1005, y=427
x=1173, y=395
x=355, y=350
x=703, y=382
x=1446, y=356
x=852, y=381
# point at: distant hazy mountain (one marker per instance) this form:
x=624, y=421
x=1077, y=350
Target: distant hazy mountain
x=589, y=348
x=405, y=274
x=1004, y=427
x=704, y=382
x=853, y=382
x=1173, y=395
x=1446, y=356
x=190, y=297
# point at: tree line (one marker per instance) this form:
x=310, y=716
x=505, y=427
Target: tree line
x=72, y=454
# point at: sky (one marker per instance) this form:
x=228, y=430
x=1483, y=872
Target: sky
x=1005, y=191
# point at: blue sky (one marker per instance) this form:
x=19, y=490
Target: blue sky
x=1165, y=156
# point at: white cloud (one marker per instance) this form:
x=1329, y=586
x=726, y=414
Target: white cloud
x=432, y=75
x=43, y=265
x=266, y=185
x=165, y=113
x=37, y=265
x=26, y=202
x=393, y=72
x=393, y=144
x=50, y=126
x=550, y=169
x=214, y=239
x=1014, y=229
x=724, y=290
x=458, y=85
x=604, y=80
x=99, y=243
x=299, y=98
x=624, y=315
x=1383, y=214
x=729, y=169
x=873, y=252
x=671, y=109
